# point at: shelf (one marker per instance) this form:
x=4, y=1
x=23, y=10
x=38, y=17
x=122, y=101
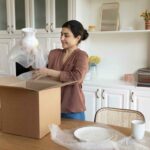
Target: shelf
x=121, y=31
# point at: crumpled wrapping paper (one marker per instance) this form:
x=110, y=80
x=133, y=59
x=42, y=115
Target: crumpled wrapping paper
x=119, y=141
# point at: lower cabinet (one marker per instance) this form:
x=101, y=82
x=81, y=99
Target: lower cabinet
x=140, y=100
x=91, y=97
x=137, y=99
x=117, y=98
x=98, y=97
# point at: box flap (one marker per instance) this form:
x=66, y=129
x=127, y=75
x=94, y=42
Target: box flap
x=50, y=83
x=34, y=85
x=9, y=80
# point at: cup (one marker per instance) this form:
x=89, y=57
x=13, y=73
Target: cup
x=138, y=129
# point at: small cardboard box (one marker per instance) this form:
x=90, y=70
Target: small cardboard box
x=28, y=107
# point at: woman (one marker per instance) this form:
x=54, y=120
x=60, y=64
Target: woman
x=69, y=64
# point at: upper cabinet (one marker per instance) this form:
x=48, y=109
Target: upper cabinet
x=44, y=15
x=3, y=18
x=49, y=15
x=14, y=15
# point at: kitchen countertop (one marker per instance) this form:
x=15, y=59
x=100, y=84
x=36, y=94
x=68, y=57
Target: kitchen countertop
x=108, y=83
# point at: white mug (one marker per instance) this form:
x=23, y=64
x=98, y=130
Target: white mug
x=138, y=129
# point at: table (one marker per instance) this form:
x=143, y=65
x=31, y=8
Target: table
x=13, y=142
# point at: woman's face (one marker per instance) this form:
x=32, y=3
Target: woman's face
x=67, y=39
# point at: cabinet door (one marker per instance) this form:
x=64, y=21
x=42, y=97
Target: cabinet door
x=115, y=98
x=90, y=94
x=5, y=45
x=141, y=102
x=49, y=15
x=19, y=15
x=40, y=15
x=14, y=15
x=4, y=19
x=61, y=11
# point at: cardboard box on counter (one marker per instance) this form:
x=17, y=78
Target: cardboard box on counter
x=28, y=107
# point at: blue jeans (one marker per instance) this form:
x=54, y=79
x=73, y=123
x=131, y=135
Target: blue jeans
x=71, y=115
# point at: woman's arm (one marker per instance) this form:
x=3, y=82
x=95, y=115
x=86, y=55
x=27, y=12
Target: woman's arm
x=43, y=72
x=78, y=72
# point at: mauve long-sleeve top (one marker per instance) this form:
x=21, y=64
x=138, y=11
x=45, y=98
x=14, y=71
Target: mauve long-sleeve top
x=74, y=69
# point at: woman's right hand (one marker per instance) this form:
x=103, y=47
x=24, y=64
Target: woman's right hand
x=40, y=73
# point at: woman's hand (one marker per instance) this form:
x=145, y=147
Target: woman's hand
x=39, y=73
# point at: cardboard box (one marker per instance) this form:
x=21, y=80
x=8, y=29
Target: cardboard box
x=28, y=107
x=6, y=81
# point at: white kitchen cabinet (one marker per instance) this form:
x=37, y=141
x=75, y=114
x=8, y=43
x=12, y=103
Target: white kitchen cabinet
x=140, y=99
x=116, y=98
x=44, y=15
x=98, y=97
x=5, y=45
x=3, y=18
x=92, y=95
x=136, y=98
x=49, y=15
x=14, y=15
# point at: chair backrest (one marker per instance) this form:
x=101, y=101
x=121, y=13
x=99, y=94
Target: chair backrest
x=117, y=117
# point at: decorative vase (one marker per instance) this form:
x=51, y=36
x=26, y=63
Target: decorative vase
x=29, y=41
x=147, y=25
x=93, y=71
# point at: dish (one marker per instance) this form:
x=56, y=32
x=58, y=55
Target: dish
x=93, y=134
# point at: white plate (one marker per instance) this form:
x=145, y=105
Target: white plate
x=93, y=134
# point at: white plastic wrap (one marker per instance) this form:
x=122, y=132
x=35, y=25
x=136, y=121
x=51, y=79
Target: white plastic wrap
x=27, y=52
x=33, y=58
x=118, y=142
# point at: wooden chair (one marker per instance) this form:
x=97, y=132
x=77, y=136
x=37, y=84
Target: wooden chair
x=117, y=117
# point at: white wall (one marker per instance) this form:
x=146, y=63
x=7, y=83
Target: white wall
x=83, y=11
x=120, y=53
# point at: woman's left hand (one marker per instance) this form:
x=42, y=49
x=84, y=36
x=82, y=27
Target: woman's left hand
x=39, y=73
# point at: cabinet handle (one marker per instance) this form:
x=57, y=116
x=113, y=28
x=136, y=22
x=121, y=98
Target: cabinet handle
x=12, y=29
x=132, y=93
x=51, y=27
x=46, y=28
x=8, y=29
x=97, y=93
x=102, y=95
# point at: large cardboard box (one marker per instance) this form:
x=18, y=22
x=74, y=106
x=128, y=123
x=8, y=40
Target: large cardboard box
x=28, y=107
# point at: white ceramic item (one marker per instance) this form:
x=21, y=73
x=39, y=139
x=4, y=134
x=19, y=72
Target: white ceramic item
x=29, y=40
x=138, y=129
x=93, y=134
